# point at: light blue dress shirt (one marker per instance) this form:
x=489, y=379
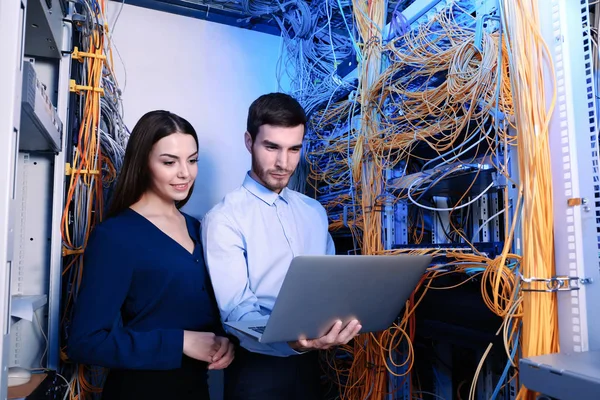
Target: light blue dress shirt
x=249, y=239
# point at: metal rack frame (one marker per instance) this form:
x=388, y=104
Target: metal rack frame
x=31, y=250
x=576, y=195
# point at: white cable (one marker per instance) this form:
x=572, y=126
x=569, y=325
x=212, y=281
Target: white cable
x=68, y=386
x=45, y=338
x=445, y=209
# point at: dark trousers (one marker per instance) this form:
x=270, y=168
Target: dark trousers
x=253, y=376
x=186, y=383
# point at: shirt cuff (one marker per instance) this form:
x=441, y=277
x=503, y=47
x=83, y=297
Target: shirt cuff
x=285, y=349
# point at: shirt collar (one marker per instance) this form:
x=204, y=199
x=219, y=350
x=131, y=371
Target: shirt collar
x=266, y=195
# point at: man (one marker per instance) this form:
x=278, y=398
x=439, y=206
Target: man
x=250, y=238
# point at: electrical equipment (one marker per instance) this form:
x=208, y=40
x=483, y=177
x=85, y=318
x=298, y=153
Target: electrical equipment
x=41, y=128
x=574, y=373
x=419, y=158
x=568, y=376
x=44, y=28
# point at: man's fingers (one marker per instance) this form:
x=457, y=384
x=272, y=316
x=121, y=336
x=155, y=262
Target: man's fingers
x=346, y=334
x=349, y=328
x=332, y=335
x=353, y=334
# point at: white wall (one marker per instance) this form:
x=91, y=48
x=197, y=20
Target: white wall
x=206, y=72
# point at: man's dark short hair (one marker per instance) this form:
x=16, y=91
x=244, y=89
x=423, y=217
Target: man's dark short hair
x=276, y=109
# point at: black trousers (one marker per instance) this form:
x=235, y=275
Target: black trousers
x=253, y=376
x=186, y=383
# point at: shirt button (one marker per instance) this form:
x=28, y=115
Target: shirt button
x=197, y=260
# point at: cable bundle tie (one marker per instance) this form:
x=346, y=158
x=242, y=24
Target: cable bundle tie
x=69, y=170
x=71, y=252
x=80, y=55
x=74, y=87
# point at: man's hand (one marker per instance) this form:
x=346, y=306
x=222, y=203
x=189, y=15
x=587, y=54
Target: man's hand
x=224, y=356
x=335, y=337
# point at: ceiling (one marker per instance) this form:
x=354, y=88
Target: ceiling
x=258, y=15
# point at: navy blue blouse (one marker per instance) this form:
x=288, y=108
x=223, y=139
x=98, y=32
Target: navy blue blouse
x=140, y=290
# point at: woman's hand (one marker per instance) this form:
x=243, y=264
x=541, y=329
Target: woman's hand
x=200, y=345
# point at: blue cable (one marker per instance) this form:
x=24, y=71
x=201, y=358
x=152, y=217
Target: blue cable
x=506, y=368
x=513, y=352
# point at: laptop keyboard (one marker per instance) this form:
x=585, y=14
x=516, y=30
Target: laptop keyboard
x=259, y=329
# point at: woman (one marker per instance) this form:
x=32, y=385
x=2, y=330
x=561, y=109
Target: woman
x=145, y=308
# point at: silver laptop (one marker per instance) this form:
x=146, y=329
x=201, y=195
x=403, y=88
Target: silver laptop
x=318, y=290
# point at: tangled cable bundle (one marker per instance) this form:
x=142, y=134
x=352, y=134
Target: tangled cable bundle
x=442, y=99
x=98, y=153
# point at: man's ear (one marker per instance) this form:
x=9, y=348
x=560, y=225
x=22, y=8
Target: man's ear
x=248, y=140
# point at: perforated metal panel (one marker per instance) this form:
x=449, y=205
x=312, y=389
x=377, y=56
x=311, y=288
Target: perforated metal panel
x=574, y=154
